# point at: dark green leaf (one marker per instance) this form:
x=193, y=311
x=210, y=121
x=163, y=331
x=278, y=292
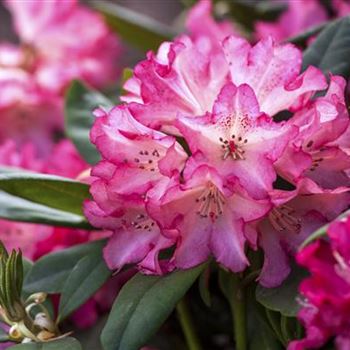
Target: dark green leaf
x=246, y=12
x=53, y=191
x=79, y=105
x=135, y=28
x=18, y=209
x=284, y=297
x=203, y=284
x=142, y=306
x=88, y=275
x=68, y=343
x=49, y=273
x=302, y=38
x=331, y=50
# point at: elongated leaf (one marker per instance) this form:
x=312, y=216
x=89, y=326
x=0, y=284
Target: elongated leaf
x=136, y=29
x=88, y=275
x=52, y=191
x=331, y=50
x=285, y=297
x=68, y=343
x=142, y=306
x=50, y=273
x=18, y=209
x=79, y=104
x=303, y=37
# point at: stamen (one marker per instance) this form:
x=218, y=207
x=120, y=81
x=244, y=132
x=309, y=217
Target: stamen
x=212, y=202
x=282, y=218
x=233, y=148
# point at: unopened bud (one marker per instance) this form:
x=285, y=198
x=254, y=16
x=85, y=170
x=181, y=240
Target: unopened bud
x=15, y=333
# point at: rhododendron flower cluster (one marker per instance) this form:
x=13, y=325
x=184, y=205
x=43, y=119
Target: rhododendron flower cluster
x=191, y=159
x=325, y=311
x=35, y=74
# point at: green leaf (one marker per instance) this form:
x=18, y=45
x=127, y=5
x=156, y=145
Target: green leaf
x=53, y=191
x=141, y=307
x=284, y=298
x=135, y=28
x=79, y=104
x=18, y=209
x=203, y=284
x=331, y=50
x=246, y=13
x=88, y=275
x=68, y=343
x=303, y=37
x=49, y=273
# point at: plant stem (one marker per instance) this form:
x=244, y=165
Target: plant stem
x=238, y=309
x=187, y=326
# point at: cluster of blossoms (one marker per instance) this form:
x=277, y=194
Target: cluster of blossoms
x=194, y=159
x=300, y=16
x=58, y=41
x=35, y=73
x=325, y=313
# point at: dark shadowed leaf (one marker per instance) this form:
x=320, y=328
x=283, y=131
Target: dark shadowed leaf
x=247, y=12
x=79, y=105
x=50, y=272
x=137, y=29
x=142, y=306
x=88, y=275
x=285, y=297
x=331, y=50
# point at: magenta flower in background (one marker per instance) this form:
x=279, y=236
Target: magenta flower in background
x=326, y=307
x=84, y=48
x=59, y=42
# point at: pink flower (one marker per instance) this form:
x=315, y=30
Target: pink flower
x=146, y=159
x=182, y=78
x=203, y=29
x=216, y=200
x=296, y=214
x=34, y=75
x=322, y=149
x=137, y=194
x=273, y=72
x=84, y=47
x=325, y=312
x=238, y=140
x=27, y=112
x=342, y=7
x=300, y=16
x=211, y=218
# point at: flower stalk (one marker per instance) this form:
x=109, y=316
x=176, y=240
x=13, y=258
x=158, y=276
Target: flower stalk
x=187, y=326
x=238, y=310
